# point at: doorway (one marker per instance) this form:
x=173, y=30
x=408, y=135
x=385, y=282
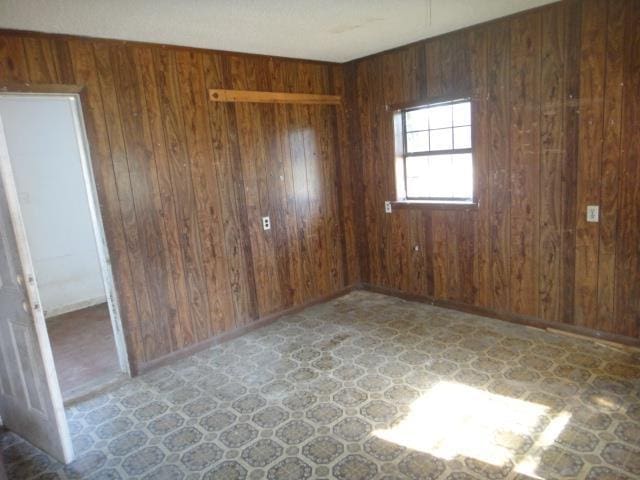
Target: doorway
x=48, y=153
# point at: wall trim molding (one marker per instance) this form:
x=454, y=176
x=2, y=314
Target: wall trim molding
x=258, y=96
x=551, y=327
x=225, y=337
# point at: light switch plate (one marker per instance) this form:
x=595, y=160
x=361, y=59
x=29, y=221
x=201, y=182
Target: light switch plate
x=387, y=206
x=266, y=223
x=593, y=213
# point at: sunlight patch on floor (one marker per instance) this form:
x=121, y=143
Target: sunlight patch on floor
x=529, y=464
x=453, y=420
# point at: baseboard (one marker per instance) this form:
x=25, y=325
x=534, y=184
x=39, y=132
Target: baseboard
x=225, y=337
x=93, y=389
x=553, y=327
x=462, y=307
x=73, y=307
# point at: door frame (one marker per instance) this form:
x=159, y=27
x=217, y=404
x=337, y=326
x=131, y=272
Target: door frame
x=76, y=94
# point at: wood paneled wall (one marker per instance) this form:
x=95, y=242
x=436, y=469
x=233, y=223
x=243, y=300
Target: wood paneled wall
x=183, y=182
x=556, y=112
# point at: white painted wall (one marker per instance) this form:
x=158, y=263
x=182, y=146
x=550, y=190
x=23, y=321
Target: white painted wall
x=47, y=167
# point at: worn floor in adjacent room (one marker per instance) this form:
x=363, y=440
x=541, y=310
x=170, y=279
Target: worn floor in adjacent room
x=365, y=386
x=84, y=349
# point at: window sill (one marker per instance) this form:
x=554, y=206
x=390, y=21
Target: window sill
x=422, y=205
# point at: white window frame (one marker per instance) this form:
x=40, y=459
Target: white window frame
x=401, y=155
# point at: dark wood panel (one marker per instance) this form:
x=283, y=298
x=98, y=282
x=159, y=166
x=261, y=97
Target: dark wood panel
x=611, y=153
x=355, y=168
x=284, y=174
x=140, y=168
x=347, y=179
x=592, y=80
x=314, y=148
x=41, y=60
x=231, y=186
x=206, y=192
x=13, y=59
x=274, y=194
x=571, y=132
x=171, y=238
x=499, y=166
x=174, y=172
x=365, y=105
x=298, y=182
x=525, y=163
x=551, y=160
x=628, y=232
x=254, y=155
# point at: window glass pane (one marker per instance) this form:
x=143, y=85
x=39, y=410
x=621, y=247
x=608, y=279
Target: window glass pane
x=444, y=183
x=417, y=120
x=418, y=178
x=446, y=177
x=440, y=116
x=415, y=188
x=462, y=137
x=462, y=171
x=462, y=114
x=417, y=142
x=441, y=139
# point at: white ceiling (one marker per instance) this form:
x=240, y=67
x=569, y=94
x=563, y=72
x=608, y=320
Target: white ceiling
x=332, y=30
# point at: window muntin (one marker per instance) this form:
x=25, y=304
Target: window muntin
x=437, y=152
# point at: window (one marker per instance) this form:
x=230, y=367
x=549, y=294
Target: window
x=434, y=153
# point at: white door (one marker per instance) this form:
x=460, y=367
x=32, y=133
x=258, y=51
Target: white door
x=30, y=399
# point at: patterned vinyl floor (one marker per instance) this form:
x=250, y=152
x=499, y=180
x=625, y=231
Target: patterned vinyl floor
x=365, y=386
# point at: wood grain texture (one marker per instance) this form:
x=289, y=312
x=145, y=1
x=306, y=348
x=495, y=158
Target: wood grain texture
x=571, y=122
x=499, y=164
x=554, y=104
x=524, y=158
x=592, y=80
x=347, y=179
x=552, y=82
x=611, y=156
x=183, y=182
x=627, y=294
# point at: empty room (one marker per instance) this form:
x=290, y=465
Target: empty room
x=302, y=240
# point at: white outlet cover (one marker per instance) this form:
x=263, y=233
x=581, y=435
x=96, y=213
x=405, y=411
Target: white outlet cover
x=387, y=206
x=593, y=213
x=266, y=223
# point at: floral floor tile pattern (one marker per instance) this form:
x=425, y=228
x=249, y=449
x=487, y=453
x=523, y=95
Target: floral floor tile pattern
x=365, y=387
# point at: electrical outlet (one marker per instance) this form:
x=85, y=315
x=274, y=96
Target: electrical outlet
x=387, y=206
x=593, y=213
x=266, y=223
